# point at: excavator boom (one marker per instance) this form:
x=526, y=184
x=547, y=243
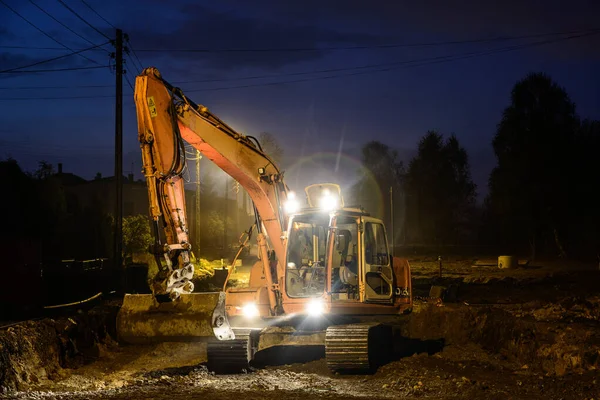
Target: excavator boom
x=167, y=119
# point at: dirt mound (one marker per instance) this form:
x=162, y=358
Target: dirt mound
x=35, y=351
x=555, y=347
x=570, y=309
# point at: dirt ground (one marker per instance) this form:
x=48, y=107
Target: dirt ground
x=527, y=333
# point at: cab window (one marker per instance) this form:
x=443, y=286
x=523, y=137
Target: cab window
x=375, y=245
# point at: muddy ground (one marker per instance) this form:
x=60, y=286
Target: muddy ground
x=528, y=333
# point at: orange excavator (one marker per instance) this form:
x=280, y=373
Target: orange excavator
x=325, y=275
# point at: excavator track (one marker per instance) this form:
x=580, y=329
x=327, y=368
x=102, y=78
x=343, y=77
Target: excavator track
x=232, y=356
x=356, y=347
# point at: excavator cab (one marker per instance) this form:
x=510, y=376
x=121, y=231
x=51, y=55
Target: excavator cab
x=340, y=256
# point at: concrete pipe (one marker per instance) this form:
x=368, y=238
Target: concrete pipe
x=507, y=262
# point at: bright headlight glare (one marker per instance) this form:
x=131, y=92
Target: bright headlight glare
x=328, y=202
x=315, y=307
x=250, y=310
x=291, y=205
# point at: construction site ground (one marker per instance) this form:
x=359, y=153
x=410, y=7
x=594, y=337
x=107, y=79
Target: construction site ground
x=525, y=333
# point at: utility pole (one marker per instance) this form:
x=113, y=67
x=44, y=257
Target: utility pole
x=237, y=207
x=197, y=212
x=119, y=150
x=225, y=248
x=392, y=217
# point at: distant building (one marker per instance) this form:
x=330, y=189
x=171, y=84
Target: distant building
x=100, y=193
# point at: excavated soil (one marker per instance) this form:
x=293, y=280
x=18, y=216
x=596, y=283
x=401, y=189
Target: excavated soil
x=531, y=333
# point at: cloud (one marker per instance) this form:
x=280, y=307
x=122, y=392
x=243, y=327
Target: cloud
x=212, y=29
x=11, y=60
x=437, y=15
x=5, y=34
x=412, y=21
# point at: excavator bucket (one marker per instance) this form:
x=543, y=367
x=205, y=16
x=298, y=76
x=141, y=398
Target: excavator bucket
x=192, y=317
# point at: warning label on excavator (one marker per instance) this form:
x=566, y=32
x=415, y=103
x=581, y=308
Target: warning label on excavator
x=152, y=107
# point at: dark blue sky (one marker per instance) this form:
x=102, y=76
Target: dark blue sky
x=397, y=106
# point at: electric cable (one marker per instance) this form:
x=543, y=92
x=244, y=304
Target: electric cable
x=400, y=65
x=82, y=19
x=378, y=46
x=51, y=59
x=141, y=66
x=95, y=12
x=56, y=70
x=390, y=66
x=42, y=31
x=64, y=25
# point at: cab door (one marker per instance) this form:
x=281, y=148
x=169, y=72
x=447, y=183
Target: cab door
x=377, y=276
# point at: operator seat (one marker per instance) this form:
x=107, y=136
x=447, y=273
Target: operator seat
x=349, y=267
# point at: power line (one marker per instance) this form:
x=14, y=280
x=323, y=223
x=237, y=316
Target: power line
x=27, y=145
x=136, y=57
x=130, y=46
x=390, y=67
x=268, y=76
x=319, y=71
x=432, y=44
x=407, y=64
x=132, y=63
x=95, y=12
x=367, y=66
x=63, y=25
x=57, y=98
x=129, y=82
x=50, y=59
x=34, y=48
x=56, y=70
x=56, y=87
x=44, y=33
x=82, y=19
x=379, y=46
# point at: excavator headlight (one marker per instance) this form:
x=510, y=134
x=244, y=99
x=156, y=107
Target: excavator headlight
x=315, y=307
x=327, y=201
x=250, y=310
x=291, y=204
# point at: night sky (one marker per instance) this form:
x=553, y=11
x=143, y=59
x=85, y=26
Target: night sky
x=419, y=82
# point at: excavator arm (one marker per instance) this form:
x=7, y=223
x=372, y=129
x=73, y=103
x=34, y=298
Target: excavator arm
x=167, y=119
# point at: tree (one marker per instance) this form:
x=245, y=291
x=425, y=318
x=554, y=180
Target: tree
x=381, y=171
x=441, y=193
x=583, y=230
x=44, y=171
x=215, y=229
x=136, y=234
x=271, y=147
x=23, y=219
x=529, y=188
